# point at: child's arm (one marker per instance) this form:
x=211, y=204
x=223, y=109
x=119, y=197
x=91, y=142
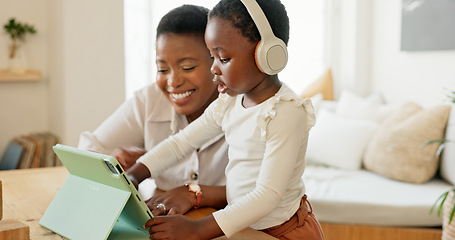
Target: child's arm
x=138, y=173
x=176, y=147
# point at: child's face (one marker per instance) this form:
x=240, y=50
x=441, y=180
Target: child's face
x=183, y=64
x=234, y=64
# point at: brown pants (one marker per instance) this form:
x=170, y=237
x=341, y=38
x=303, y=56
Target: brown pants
x=302, y=226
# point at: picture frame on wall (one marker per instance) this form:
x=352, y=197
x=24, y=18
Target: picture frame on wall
x=428, y=25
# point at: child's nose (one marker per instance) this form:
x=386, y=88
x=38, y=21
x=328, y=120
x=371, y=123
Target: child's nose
x=215, y=70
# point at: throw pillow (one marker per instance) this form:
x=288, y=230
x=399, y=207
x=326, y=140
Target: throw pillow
x=370, y=108
x=397, y=151
x=447, y=166
x=320, y=103
x=324, y=85
x=338, y=142
x=316, y=100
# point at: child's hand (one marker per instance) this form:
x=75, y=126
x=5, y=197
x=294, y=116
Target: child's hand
x=172, y=227
x=137, y=173
x=177, y=201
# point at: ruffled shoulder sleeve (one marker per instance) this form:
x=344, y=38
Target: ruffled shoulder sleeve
x=217, y=108
x=285, y=94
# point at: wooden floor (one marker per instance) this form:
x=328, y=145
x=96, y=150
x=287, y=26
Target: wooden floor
x=364, y=232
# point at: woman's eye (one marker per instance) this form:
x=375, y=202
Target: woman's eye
x=224, y=60
x=162, y=70
x=189, y=68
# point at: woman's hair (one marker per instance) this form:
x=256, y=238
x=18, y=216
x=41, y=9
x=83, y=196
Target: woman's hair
x=186, y=19
x=235, y=12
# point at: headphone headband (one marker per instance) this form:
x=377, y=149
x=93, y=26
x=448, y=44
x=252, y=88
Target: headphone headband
x=259, y=18
x=271, y=53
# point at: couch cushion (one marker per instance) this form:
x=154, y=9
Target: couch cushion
x=337, y=141
x=323, y=85
x=369, y=108
x=364, y=197
x=447, y=166
x=396, y=151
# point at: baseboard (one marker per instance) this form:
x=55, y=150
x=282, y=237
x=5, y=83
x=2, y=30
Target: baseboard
x=333, y=231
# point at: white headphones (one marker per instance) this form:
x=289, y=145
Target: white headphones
x=271, y=52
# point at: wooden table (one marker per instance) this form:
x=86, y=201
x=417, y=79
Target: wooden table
x=28, y=192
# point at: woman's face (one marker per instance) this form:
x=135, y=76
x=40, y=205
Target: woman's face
x=183, y=63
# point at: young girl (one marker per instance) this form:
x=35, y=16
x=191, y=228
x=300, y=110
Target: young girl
x=266, y=126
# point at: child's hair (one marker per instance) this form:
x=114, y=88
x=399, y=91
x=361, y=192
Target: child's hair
x=235, y=12
x=186, y=19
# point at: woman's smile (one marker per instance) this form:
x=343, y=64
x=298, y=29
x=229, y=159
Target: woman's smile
x=182, y=95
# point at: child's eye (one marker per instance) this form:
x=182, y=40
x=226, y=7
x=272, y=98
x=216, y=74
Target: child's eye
x=224, y=60
x=162, y=70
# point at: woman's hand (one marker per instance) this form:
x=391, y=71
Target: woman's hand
x=180, y=227
x=176, y=201
x=180, y=200
x=127, y=155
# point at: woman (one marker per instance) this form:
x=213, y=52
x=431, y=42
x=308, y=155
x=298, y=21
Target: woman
x=183, y=90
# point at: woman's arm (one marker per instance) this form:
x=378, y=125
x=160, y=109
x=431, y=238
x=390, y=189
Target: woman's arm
x=127, y=155
x=180, y=200
x=125, y=126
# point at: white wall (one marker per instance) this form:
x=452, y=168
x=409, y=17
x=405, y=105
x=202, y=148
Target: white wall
x=403, y=76
x=79, y=49
x=350, y=45
x=87, y=83
x=23, y=106
x=366, y=55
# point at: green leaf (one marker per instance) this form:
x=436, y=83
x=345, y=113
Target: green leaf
x=442, y=203
x=17, y=30
x=452, y=213
x=452, y=96
x=440, y=148
x=439, y=140
x=443, y=197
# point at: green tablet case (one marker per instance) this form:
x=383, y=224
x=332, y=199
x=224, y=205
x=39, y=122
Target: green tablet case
x=97, y=200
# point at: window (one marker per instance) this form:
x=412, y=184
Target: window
x=306, y=44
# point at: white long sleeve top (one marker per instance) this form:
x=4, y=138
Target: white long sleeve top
x=267, y=145
x=145, y=120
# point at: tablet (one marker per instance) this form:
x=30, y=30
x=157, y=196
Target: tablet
x=97, y=200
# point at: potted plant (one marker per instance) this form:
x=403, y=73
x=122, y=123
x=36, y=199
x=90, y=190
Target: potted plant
x=447, y=207
x=17, y=32
x=446, y=202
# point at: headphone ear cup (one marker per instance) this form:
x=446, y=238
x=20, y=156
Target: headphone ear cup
x=257, y=56
x=271, y=55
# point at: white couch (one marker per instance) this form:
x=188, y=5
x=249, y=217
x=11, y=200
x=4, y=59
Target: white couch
x=343, y=191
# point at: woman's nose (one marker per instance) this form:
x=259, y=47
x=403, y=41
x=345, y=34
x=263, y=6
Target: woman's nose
x=175, y=80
